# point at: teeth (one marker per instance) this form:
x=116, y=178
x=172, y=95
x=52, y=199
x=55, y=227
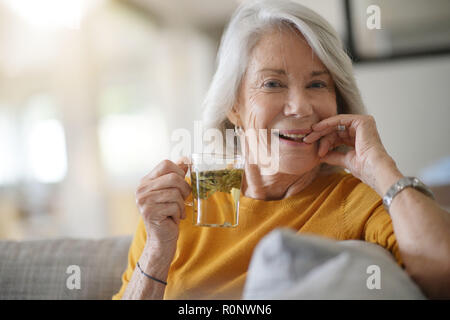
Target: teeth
x=293, y=136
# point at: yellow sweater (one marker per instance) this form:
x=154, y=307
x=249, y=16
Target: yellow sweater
x=212, y=263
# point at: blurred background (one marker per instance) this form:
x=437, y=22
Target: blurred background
x=91, y=90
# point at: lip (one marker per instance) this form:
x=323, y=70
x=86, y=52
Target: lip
x=292, y=142
x=295, y=131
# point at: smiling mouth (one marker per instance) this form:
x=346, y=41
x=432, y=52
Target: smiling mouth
x=297, y=137
x=292, y=137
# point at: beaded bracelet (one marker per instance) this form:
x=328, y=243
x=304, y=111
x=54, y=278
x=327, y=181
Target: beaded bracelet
x=149, y=276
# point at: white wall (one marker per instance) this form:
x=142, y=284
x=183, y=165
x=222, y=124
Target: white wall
x=410, y=100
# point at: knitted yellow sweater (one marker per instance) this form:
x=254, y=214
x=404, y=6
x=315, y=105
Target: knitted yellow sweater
x=212, y=263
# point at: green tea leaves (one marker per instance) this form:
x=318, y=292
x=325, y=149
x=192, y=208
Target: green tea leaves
x=205, y=183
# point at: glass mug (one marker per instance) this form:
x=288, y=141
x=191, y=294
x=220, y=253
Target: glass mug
x=216, y=181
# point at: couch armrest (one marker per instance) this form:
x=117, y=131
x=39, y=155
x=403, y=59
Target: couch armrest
x=38, y=269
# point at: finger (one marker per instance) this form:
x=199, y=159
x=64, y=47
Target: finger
x=173, y=195
x=170, y=180
x=333, y=122
x=183, y=163
x=327, y=143
x=343, y=134
x=164, y=167
x=171, y=210
x=164, y=210
x=316, y=135
x=167, y=210
x=336, y=158
x=162, y=196
x=332, y=141
x=160, y=211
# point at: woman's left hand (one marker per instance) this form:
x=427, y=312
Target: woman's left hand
x=367, y=160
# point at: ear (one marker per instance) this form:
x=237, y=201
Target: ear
x=233, y=116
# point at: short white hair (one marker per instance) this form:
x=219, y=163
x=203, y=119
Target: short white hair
x=250, y=21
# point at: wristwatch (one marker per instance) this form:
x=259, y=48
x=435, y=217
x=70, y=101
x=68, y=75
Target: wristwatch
x=402, y=184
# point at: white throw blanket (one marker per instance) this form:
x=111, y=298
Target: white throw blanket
x=286, y=265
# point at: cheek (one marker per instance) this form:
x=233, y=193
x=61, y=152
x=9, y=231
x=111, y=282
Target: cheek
x=326, y=108
x=260, y=110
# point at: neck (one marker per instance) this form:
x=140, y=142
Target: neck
x=277, y=186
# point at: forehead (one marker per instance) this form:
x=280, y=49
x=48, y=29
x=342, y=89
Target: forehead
x=283, y=48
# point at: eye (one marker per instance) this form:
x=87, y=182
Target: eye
x=272, y=84
x=318, y=85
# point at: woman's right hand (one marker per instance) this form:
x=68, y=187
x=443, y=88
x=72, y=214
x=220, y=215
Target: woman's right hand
x=160, y=198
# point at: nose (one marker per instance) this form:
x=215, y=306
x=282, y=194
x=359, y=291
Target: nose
x=298, y=104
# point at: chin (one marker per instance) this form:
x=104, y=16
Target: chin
x=298, y=164
x=297, y=161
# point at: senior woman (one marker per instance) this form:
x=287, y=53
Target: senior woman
x=281, y=66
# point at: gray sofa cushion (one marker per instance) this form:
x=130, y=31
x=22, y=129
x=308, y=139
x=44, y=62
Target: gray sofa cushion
x=286, y=265
x=38, y=269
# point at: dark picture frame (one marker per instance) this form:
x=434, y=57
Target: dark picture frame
x=354, y=28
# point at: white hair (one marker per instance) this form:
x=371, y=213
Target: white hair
x=245, y=28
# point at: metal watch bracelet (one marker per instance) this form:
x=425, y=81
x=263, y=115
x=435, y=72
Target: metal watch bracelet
x=402, y=184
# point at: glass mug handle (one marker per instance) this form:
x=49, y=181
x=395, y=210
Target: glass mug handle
x=188, y=202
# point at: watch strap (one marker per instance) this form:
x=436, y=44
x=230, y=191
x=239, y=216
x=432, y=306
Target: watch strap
x=403, y=183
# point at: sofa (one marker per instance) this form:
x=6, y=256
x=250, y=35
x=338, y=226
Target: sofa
x=284, y=265
x=45, y=269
